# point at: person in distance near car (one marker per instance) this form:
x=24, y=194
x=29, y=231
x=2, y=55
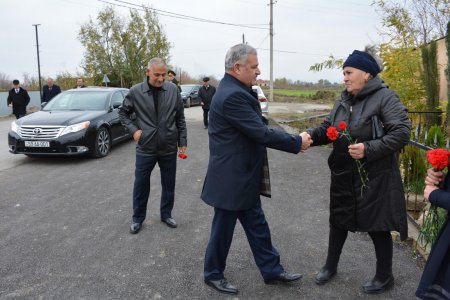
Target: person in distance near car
x=206, y=94
x=50, y=90
x=18, y=99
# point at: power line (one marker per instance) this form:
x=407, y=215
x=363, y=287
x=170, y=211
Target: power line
x=179, y=16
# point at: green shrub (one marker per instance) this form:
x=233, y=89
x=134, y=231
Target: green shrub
x=435, y=137
x=414, y=169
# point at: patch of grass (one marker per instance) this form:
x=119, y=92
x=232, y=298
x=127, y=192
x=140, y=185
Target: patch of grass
x=303, y=96
x=294, y=93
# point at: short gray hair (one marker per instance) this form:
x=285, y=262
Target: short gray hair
x=156, y=61
x=238, y=53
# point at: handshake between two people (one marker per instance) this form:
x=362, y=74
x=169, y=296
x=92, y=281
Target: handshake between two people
x=306, y=141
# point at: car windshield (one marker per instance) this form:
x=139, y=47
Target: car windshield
x=92, y=100
x=186, y=88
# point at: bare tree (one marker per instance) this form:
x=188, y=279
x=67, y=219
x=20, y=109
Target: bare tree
x=419, y=20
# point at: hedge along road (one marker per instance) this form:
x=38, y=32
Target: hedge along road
x=64, y=231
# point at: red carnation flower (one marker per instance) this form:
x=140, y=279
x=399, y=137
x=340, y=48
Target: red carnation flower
x=332, y=133
x=342, y=125
x=182, y=156
x=438, y=158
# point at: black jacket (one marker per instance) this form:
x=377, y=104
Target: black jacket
x=205, y=95
x=381, y=206
x=19, y=100
x=162, y=133
x=48, y=94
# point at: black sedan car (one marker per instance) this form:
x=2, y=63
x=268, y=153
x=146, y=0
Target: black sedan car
x=189, y=94
x=77, y=121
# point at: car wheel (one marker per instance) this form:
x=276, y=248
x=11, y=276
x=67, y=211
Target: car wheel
x=102, y=143
x=188, y=102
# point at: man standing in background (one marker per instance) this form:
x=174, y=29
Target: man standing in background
x=80, y=84
x=171, y=77
x=50, y=90
x=18, y=99
x=205, y=94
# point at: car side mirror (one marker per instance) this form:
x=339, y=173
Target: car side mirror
x=43, y=104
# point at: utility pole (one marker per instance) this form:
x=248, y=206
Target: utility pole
x=39, y=64
x=271, y=52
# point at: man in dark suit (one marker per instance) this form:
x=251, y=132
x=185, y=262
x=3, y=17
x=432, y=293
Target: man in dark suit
x=50, y=90
x=238, y=171
x=205, y=94
x=18, y=99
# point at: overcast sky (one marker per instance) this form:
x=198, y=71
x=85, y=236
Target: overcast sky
x=306, y=32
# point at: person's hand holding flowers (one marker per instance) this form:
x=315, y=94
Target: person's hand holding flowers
x=356, y=150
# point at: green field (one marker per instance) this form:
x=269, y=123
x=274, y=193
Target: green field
x=302, y=95
x=294, y=93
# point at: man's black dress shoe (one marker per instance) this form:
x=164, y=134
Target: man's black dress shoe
x=284, y=278
x=135, y=227
x=324, y=276
x=170, y=222
x=222, y=285
x=376, y=286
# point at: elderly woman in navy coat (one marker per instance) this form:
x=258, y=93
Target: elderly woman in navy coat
x=435, y=281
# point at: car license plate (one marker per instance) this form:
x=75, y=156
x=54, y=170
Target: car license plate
x=39, y=144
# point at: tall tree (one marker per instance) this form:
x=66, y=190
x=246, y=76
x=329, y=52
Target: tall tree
x=421, y=20
x=447, y=72
x=121, y=47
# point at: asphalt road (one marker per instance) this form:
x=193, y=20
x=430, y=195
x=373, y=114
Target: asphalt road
x=64, y=231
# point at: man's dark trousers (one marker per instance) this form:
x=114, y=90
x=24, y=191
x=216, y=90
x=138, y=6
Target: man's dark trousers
x=258, y=235
x=205, y=117
x=141, y=192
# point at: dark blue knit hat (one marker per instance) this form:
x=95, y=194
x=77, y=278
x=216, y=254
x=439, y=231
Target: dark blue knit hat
x=362, y=61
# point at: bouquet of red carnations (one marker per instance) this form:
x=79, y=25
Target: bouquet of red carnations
x=333, y=134
x=438, y=159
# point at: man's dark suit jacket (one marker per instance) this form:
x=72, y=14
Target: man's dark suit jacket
x=18, y=100
x=48, y=94
x=238, y=139
x=206, y=95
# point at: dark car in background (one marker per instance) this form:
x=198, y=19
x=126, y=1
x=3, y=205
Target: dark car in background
x=189, y=94
x=75, y=122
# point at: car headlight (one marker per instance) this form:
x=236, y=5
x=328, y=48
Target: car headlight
x=15, y=127
x=75, y=127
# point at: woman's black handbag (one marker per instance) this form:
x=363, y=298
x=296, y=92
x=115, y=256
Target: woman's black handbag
x=377, y=128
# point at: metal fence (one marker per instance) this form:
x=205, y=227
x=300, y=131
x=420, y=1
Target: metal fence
x=413, y=164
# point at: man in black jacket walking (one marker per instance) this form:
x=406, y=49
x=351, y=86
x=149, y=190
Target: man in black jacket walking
x=205, y=94
x=160, y=132
x=18, y=99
